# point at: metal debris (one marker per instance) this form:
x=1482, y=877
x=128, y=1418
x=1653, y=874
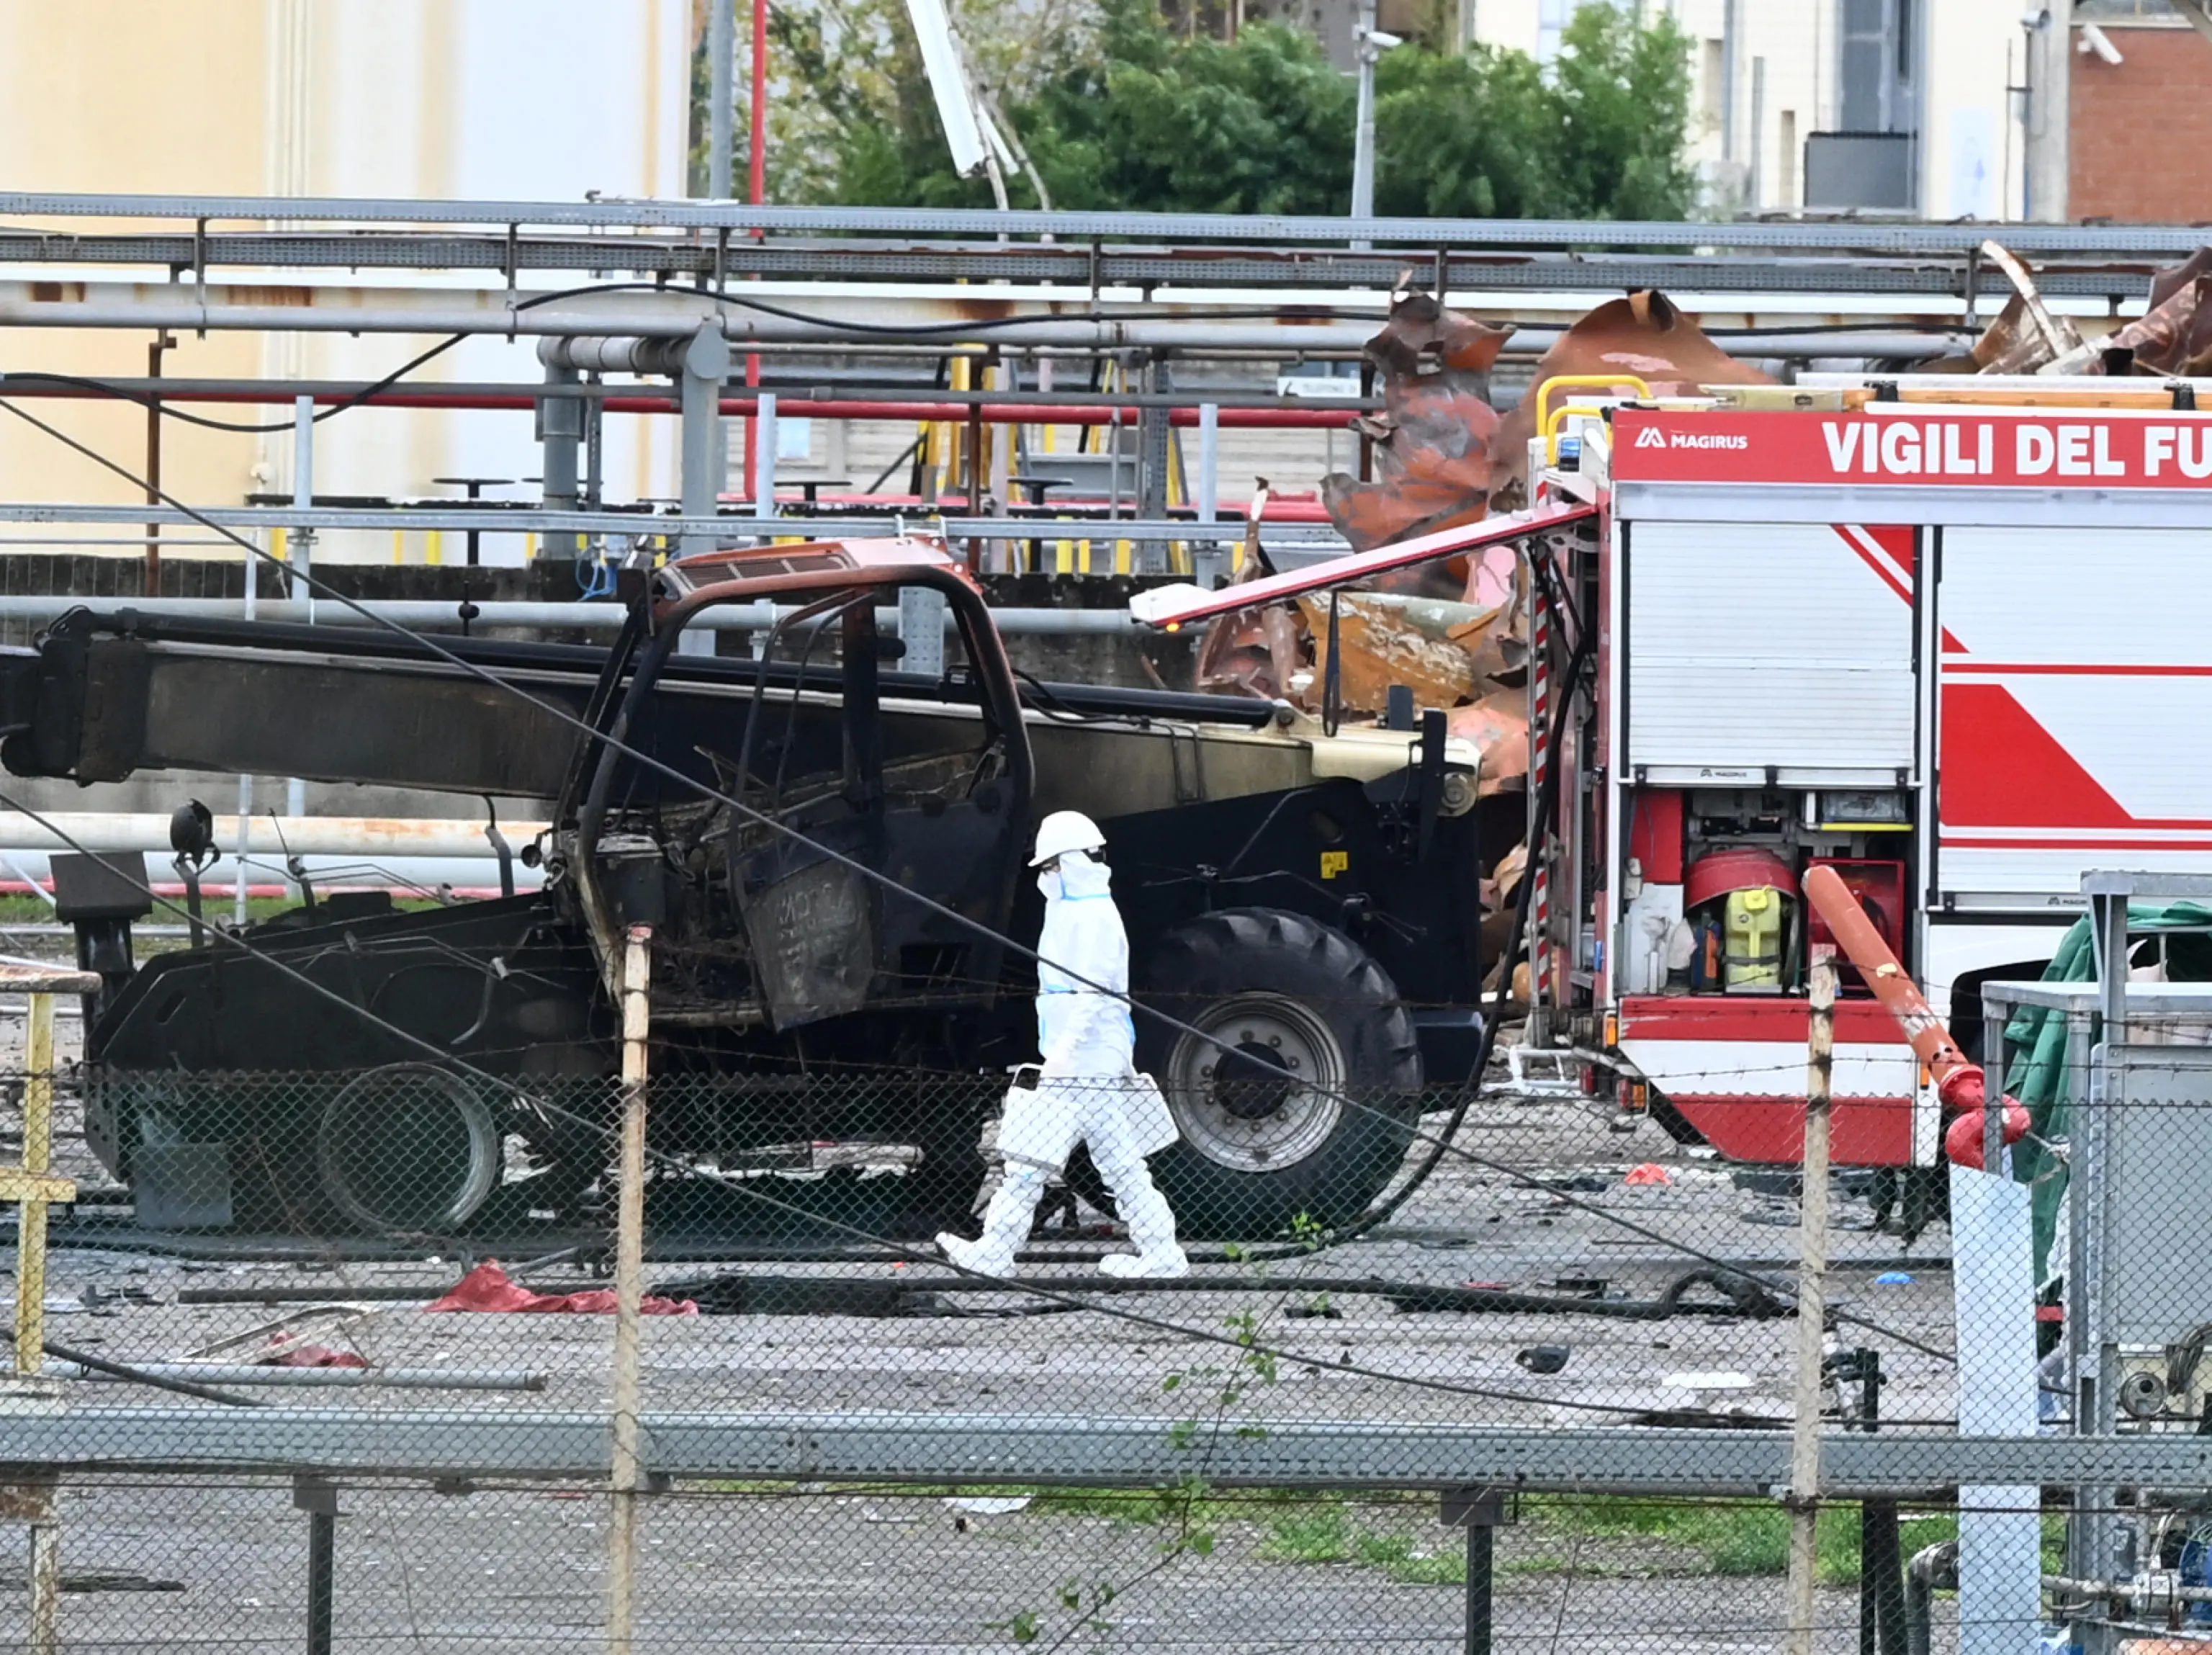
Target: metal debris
x=1645, y=336
x=1433, y=457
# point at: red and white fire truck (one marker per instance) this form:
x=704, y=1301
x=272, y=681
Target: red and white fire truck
x=1953, y=637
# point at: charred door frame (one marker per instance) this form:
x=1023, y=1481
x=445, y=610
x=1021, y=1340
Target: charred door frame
x=641, y=653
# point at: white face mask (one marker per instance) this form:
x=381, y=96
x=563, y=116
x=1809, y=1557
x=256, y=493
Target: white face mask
x=1048, y=883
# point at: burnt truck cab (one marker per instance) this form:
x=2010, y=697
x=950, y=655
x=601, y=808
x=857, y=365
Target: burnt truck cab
x=827, y=840
x=806, y=847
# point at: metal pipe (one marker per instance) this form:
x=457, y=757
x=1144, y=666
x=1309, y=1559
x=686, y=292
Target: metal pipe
x=1960, y=1085
x=1020, y=409
x=1365, y=51
x=763, y=481
x=672, y=314
x=1312, y=533
x=354, y=310
x=252, y=1374
x=561, y=432
x=103, y=831
x=721, y=71
x=1828, y=235
x=1931, y=1567
x=319, y=1500
x=584, y=616
x=706, y=456
x=756, y=159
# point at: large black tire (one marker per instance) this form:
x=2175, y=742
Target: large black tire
x=407, y=1149
x=1309, y=1119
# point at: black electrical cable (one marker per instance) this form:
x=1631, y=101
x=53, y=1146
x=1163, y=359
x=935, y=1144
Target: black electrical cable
x=1516, y=947
x=788, y=1209
x=873, y=875
x=115, y=1370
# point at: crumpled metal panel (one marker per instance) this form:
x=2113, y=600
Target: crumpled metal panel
x=1432, y=450
x=2174, y=336
x=1646, y=336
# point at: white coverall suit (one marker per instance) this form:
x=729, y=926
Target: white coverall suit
x=1088, y=1090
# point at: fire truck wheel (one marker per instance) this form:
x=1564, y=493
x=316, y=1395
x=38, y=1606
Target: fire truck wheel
x=408, y=1149
x=1306, y=1115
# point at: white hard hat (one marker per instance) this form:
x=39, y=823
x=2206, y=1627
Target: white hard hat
x=1064, y=831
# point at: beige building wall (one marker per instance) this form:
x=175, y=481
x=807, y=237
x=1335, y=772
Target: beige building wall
x=1972, y=151
x=530, y=99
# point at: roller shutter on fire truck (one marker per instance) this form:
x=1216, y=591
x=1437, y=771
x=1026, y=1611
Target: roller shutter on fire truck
x=1769, y=646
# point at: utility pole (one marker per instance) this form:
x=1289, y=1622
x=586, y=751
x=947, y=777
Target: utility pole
x=1368, y=45
x=721, y=62
x=2046, y=114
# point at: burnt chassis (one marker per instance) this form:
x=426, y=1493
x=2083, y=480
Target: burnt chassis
x=794, y=999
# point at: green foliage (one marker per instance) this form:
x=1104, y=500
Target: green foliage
x=1317, y=1533
x=1117, y=112
x=1488, y=134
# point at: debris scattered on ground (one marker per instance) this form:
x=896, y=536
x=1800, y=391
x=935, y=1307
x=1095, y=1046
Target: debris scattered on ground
x=487, y=1288
x=311, y=1356
x=986, y=1504
x=1543, y=1359
x=1649, y=1173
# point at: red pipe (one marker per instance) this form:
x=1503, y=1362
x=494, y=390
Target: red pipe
x=863, y=408
x=1959, y=1084
x=756, y=175
x=758, y=172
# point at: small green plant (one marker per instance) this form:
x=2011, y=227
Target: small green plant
x=1021, y=1626
x=1401, y=1561
x=1315, y=1533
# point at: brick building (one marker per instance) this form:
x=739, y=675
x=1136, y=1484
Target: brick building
x=2140, y=115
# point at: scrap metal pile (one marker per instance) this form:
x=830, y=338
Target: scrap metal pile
x=1454, y=631
x=2172, y=339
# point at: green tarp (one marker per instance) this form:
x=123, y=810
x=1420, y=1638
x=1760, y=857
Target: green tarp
x=2037, y=1075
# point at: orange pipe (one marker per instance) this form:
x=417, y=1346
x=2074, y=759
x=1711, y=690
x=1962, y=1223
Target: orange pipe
x=1959, y=1086
x=1856, y=935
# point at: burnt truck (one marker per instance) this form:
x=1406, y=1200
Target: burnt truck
x=1309, y=899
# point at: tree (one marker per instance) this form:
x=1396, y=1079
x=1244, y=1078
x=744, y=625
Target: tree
x=1488, y=134
x=1117, y=112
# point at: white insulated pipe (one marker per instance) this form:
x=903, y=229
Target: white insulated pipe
x=587, y=617
x=305, y=308
x=252, y=1374
x=302, y=835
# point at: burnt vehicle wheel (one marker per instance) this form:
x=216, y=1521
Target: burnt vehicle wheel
x=1308, y=1114
x=407, y=1148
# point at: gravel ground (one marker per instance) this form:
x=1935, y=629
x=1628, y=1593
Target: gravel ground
x=851, y=1570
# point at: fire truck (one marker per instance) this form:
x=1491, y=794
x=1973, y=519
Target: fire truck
x=1950, y=637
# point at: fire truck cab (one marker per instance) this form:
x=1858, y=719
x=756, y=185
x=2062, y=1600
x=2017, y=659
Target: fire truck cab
x=1953, y=637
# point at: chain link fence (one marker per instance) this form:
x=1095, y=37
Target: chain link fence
x=332, y=1360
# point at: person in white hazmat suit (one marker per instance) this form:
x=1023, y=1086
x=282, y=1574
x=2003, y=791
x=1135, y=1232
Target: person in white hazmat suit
x=1087, y=1089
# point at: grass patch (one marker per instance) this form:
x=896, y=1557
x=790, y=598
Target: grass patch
x=1319, y=1534
x=1747, y=1538
x=1402, y=1561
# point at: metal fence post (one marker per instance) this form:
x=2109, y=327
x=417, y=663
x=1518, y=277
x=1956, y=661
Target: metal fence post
x=629, y=1274
x=31, y=1187
x=1812, y=1264
x=319, y=1500
x=1479, y=1511
x=1206, y=559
